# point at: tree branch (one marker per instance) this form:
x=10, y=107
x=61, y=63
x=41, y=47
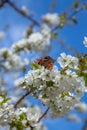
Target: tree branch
x=26, y=94
x=85, y=125
x=83, y=56
x=75, y=11
x=43, y=115
x=22, y=13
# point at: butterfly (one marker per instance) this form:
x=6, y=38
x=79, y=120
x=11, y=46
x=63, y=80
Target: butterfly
x=47, y=62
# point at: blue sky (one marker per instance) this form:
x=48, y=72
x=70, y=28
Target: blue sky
x=73, y=37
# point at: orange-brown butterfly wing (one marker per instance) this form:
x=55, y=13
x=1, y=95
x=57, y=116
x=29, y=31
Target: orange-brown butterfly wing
x=47, y=62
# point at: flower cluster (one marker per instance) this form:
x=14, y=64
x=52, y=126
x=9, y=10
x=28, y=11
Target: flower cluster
x=59, y=91
x=12, y=60
x=51, y=19
x=31, y=115
x=37, y=41
x=68, y=61
x=6, y=111
x=73, y=117
x=81, y=107
x=26, y=116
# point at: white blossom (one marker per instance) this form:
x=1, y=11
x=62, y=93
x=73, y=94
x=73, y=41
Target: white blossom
x=40, y=126
x=17, y=82
x=68, y=61
x=24, y=9
x=3, y=52
x=19, y=111
x=12, y=60
x=81, y=107
x=85, y=41
x=20, y=45
x=33, y=114
x=51, y=19
x=9, y=114
x=37, y=41
x=1, y=99
x=73, y=117
x=6, y=113
x=57, y=91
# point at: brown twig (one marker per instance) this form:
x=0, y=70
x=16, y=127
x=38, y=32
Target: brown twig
x=69, y=9
x=83, y=56
x=74, y=13
x=43, y=115
x=85, y=125
x=2, y=2
x=31, y=128
x=22, y=13
x=26, y=94
x=71, y=15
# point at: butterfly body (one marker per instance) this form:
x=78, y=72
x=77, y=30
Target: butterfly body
x=47, y=62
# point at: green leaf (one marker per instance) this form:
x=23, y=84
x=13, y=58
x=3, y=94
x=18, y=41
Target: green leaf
x=64, y=94
x=35, y=66
x=63, y=17
x=84, y=6
x=5, y=54
x=7, y=99
x=54, y=35
x=44, y=96
x=76, y=4
x=22, y=116
x=74, y=19
x=17, y=124
x=85, y=78
x=49, y=83
x=61, y=25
